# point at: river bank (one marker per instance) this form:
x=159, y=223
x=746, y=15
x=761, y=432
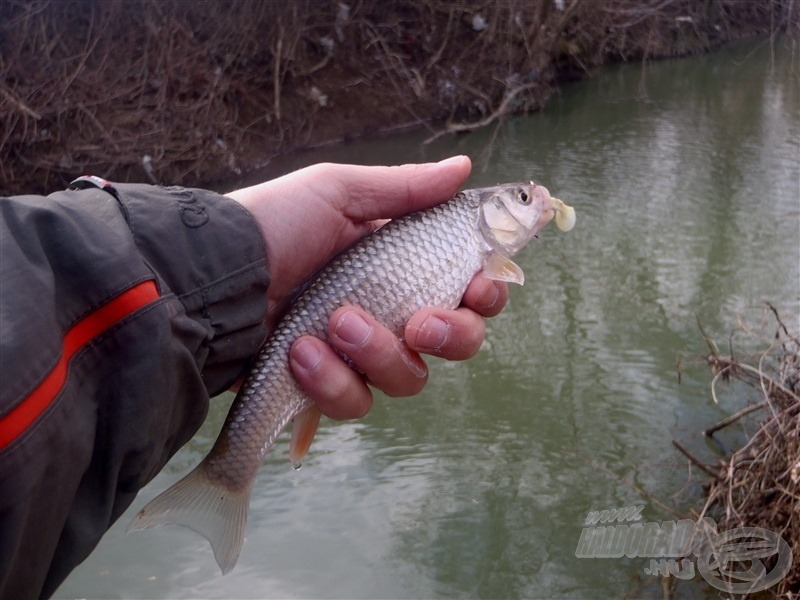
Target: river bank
x=755, y=486
x=192, y=93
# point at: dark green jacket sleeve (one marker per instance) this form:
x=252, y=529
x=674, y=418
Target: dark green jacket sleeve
x=122, y=310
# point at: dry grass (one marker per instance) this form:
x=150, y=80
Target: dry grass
x=191, y=92
x=758, y=485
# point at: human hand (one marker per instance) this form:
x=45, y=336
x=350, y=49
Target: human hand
x=309, y=216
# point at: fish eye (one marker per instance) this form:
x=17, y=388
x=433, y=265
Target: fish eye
x=523, y=196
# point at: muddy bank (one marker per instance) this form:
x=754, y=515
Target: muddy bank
x=191, y=93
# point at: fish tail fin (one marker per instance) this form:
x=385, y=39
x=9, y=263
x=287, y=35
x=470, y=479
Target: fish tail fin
x=212, y=510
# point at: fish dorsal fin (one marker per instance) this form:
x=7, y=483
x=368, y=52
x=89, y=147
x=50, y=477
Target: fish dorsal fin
x=499, y=267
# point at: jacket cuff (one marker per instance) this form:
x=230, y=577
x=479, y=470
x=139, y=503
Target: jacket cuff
x=207, y=250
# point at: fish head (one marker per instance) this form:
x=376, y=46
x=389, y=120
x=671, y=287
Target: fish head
x=512, y=214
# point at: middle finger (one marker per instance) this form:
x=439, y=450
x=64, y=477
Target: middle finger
x=386, y=361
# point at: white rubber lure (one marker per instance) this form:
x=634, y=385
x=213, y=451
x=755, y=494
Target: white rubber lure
x=565, y=215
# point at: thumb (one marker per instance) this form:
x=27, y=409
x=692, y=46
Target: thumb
x=389, y=192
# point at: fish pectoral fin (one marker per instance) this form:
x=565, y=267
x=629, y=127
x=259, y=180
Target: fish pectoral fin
x=499, y=267
x=209, y=508
x=304, y=428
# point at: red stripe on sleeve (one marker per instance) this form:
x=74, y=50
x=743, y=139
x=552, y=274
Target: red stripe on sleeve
x=79, y=335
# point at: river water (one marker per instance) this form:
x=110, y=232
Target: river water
x=686, y=180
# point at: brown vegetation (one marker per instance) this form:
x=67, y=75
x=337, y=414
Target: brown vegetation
x=191, y=92
x=758, y=485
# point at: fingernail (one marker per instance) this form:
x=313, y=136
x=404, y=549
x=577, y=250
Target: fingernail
x=432, y=334
x=452, y=160
x=306, y=355
x=489, y=296
x=414, y=363
x=352, y=329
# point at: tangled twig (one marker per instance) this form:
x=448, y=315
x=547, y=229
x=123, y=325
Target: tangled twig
x=758, y=485
x=192, y=92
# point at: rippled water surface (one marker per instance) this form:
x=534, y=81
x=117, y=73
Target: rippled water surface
x=686, y=182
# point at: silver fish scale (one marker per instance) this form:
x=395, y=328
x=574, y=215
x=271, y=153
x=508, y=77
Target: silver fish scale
x=425, y=259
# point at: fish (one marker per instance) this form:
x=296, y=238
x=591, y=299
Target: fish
x=424, y=259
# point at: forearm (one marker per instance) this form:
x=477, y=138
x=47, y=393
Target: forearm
x=95, y=418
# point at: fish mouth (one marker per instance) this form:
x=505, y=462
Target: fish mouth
x=552, y=208
x=542, y=197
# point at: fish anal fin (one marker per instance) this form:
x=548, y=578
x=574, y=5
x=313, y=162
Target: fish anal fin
x=304, y=428
x=212, y=510
x=499, y=267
